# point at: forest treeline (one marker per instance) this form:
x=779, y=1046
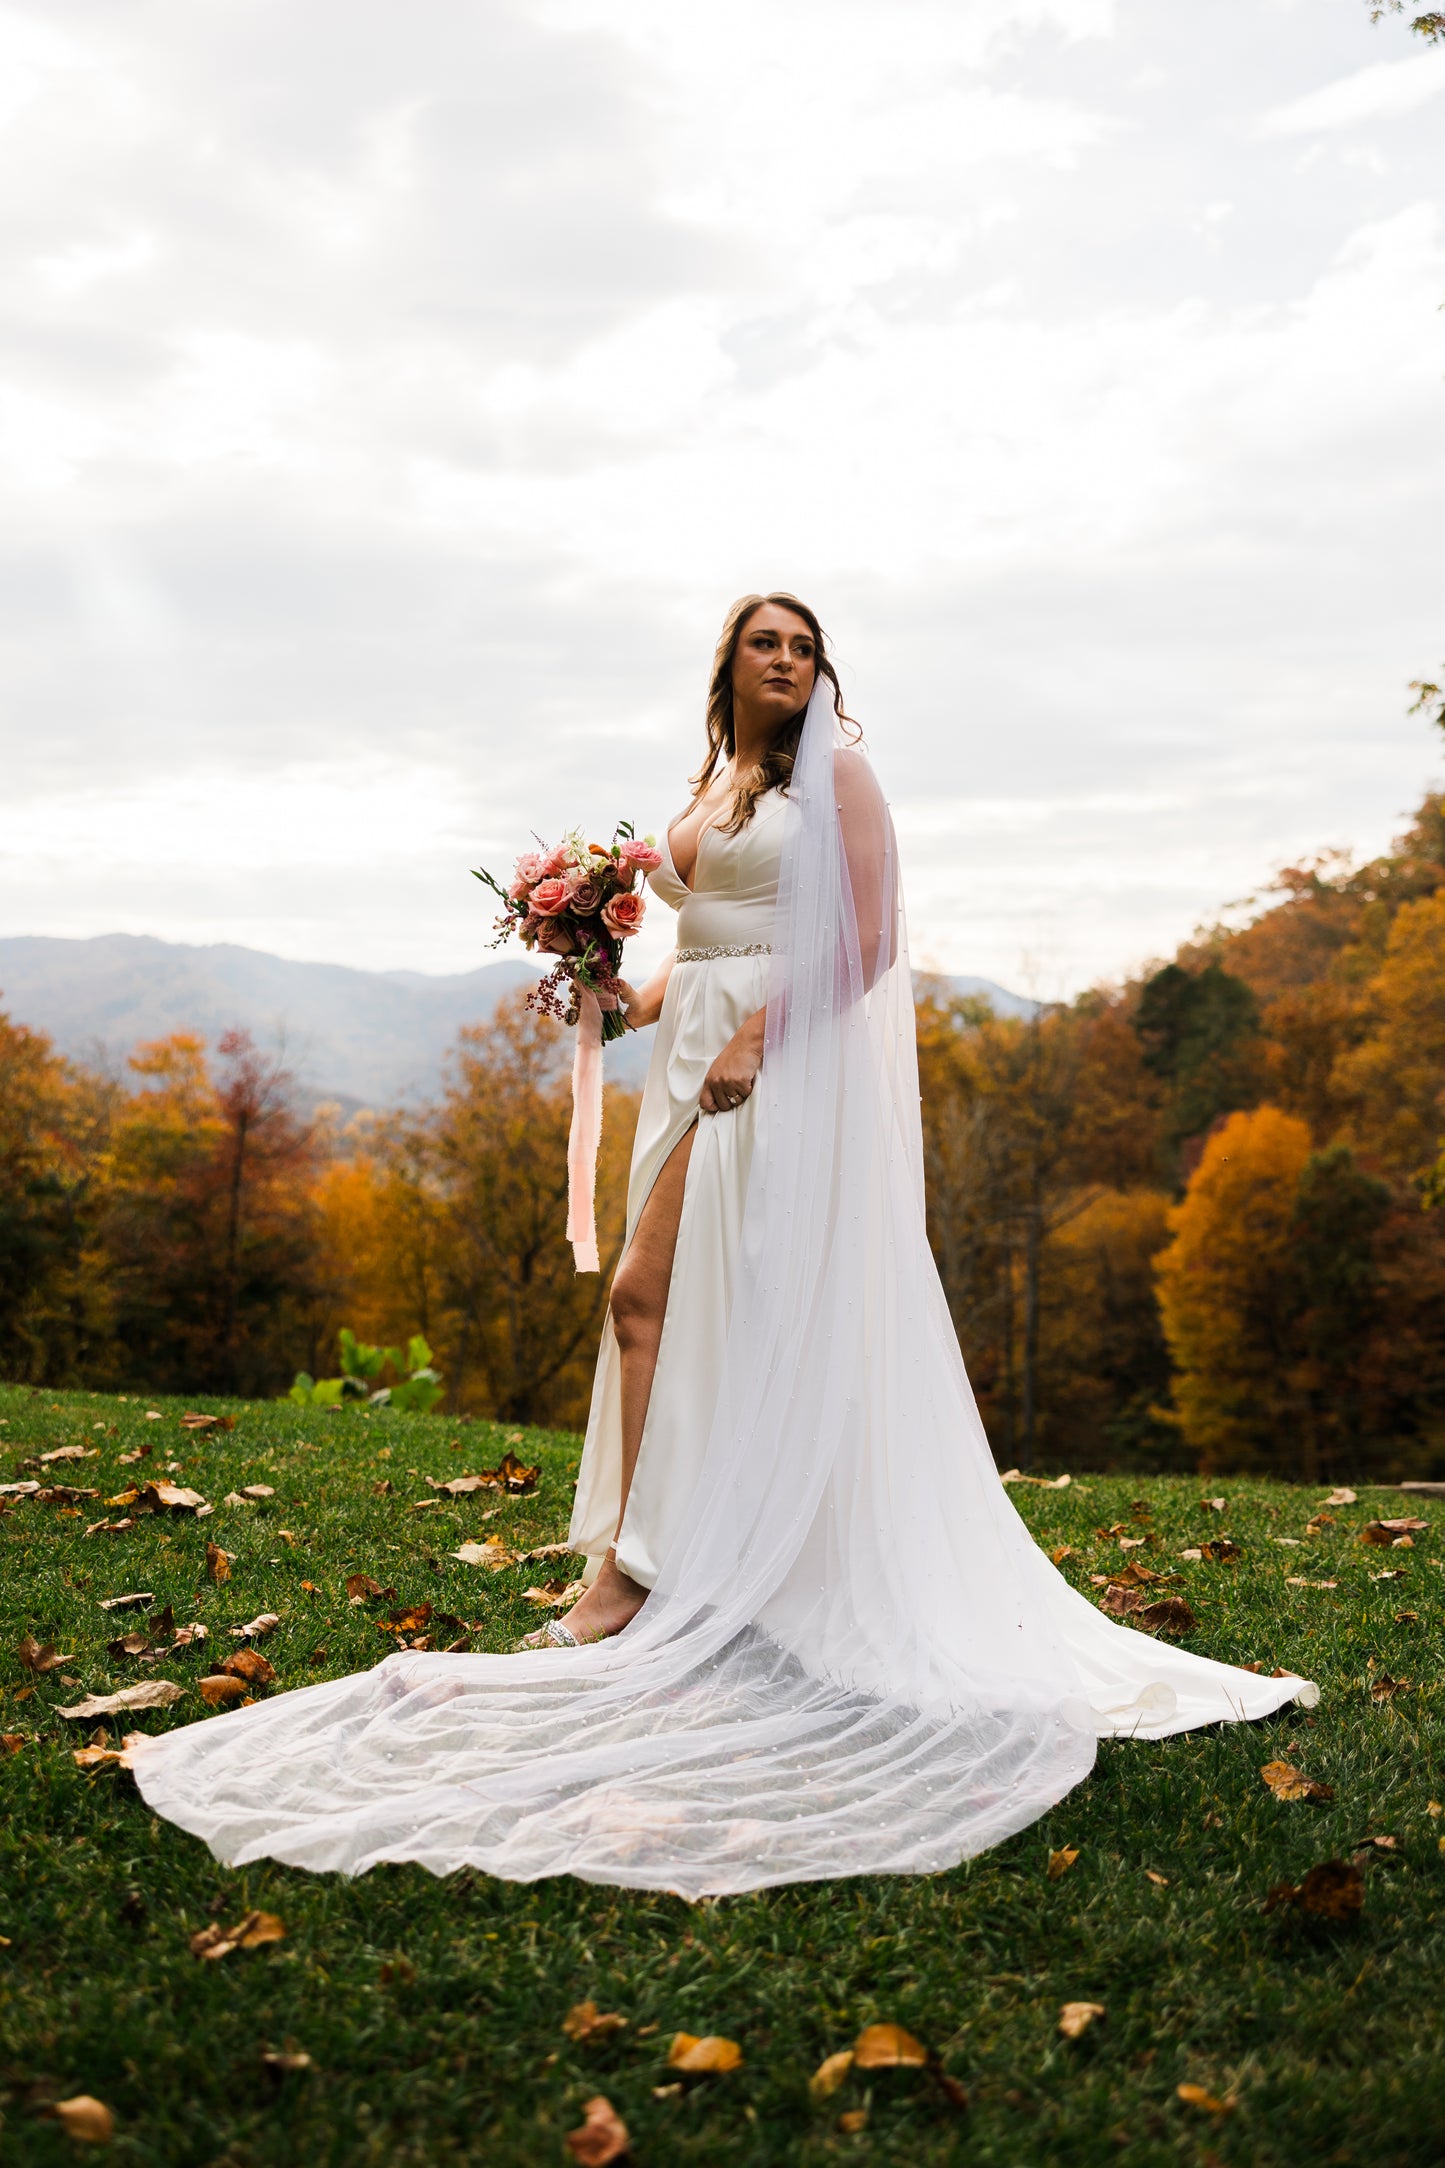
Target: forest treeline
x=1193, y=1222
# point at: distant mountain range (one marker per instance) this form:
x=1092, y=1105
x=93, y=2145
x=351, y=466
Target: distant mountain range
x=361, y=1038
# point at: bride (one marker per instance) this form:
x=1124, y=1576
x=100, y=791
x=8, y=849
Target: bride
x=817, y=1640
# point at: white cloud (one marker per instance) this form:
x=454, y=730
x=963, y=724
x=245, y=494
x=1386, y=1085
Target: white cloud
x=1378, y=92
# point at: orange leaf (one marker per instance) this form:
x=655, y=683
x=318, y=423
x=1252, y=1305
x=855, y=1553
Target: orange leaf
x=12, y=1741
x=1195, y=2096
x=852, y=2120
x=710, y=2052
x=601, y=2139
x=584, y=2021
x=87, y=2120
x=888, y=2047
x=218, y=1565
x=219, y=1692
x=1061, y=1861
x=1334, y=1890
x=1076, y=2018
x=1287, y=1782
x=247, y=1664
x=830, y=2074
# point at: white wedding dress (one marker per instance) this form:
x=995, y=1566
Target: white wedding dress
x=854, y=1657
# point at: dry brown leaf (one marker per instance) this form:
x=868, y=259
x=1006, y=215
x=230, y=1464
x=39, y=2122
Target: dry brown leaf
x=218, y=1565
x=1222, y=1549
x=413, y=1620
x=105, y=1757
x=256, y=1627
x=555, y=1594
x=131, y=1644
x=257, y=1490
x=150, y=1694
x=1295, y=1580
x=1076, y=2018
x=584, y=2021
x=602, y=2137
x=18, y=1490
x=1133, y=1576
x=194, y=1422
x=219, y=1691
x=249, y=1933
x=361, y=1588
x=1214, y=1505
x=830, y=2074
x=492, y=1554
x=1341, y=1497
x=1385, y=1688
x=286, y=2060
x=36, y=1658
x=67, y=1452
x=888, y=2047
x=169, y=1497
x=852, y=2120
x=87, y=2120
x=1287, y=1782
x=1040, y=1482
x=397, y=1972
x=132, y=1602
x=1160, y=1881
x=1405, y=1524
x=1334, y=1890
x=708, y=2053
x=1195, y=2096
x=1061, y=1861
x=1060, y=1552
x=549, y=1550
x=384, y=1488
x=247, y=1664
x=12, y=1741
x=509, y=1476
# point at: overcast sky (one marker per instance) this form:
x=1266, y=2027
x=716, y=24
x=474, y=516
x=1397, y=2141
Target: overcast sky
x=393, y=398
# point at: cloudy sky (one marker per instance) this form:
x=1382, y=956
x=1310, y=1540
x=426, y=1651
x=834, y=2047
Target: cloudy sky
x=393, y=397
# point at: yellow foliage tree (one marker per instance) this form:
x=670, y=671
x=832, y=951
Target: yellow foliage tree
x=1394, y=1083
x=1227, y=1292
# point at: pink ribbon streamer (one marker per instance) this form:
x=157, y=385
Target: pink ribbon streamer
x=586, y=1133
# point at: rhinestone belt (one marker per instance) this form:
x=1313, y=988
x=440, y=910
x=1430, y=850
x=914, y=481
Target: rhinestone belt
x=720, y=948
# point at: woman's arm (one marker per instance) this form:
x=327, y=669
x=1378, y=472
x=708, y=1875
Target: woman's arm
x=731, y=1078
x=644, y=1004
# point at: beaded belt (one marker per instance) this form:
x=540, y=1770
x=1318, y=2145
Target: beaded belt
x=719, y=948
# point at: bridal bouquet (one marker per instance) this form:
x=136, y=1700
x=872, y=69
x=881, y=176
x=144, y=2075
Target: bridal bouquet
x=579, y=902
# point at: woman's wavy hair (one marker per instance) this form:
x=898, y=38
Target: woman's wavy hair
x=775, y=770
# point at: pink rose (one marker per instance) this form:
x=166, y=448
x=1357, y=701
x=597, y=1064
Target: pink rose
x=624, y=915
x=549, y=897
x=583, y=894
x=641, y=855
x=527, y=870
x=554, y=861
x=553, y=938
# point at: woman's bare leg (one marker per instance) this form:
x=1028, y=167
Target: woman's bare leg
x=639, y=1304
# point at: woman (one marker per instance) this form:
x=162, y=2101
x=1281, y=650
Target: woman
x=819, y=1640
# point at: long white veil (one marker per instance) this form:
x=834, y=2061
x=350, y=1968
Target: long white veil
x=841, y=1668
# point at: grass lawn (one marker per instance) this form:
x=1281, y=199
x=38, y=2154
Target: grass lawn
x=432, y=2011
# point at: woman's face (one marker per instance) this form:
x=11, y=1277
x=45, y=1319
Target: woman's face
x=774, y=665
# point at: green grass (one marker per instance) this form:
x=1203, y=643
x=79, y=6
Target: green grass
x=1328, y=2036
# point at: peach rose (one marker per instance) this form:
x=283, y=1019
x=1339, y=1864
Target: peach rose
x=624, y=914
x=549, y=897
x=641, y=855
x=554, y=861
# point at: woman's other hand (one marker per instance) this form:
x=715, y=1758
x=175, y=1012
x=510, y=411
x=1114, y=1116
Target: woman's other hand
x=643, y=1005
x=731, y=1078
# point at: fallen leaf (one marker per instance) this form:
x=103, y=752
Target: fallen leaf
x=247, y=1664
x=1132, y=1576
x=549, y=1550
x=1060, y=1552
x=153, y=1415
x=1214, y=1505
x=556, y=1594
x=1341, y=1497
x=492, y=1554
x=1041, y=1482
x=131, y=1644
x=888, y=2047
x=219, y=1691
x=602, y=2137
x=1195, y=2096
x=255, y=1627
x=12, y=1741
x=169, y=1497
x=187, y=1637
x=87, y=2120
x=1131, y=1543
x=361, y=1588
x=218, y=1564
x=1407, y=1524
x=18, y=1490
x=1061, y=1861
x=69, y=1452
x=107, y=1757
x=584, y=2021
x=1193, y=1551
x=1161, y=1881
x=150, y=1694
x=1407, y=1618
x=1223, y=1550
x=412, y=1621
x=510, y=1476
x=708, y=2053
x=830, y=2074
x=191, y=1421
x=286, y=2061
x=249, y=1933
x=397, y=1972
x=1378, y=1844
x=384, y=1488
x=131, y=1602
x=1334, y=1890
x=1384, y=1688
x=36, y=1658
x=257, y=1490
x=1076, y=2018
x=1287, y=1782
x=852, y=2120
x=1295, y=1580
